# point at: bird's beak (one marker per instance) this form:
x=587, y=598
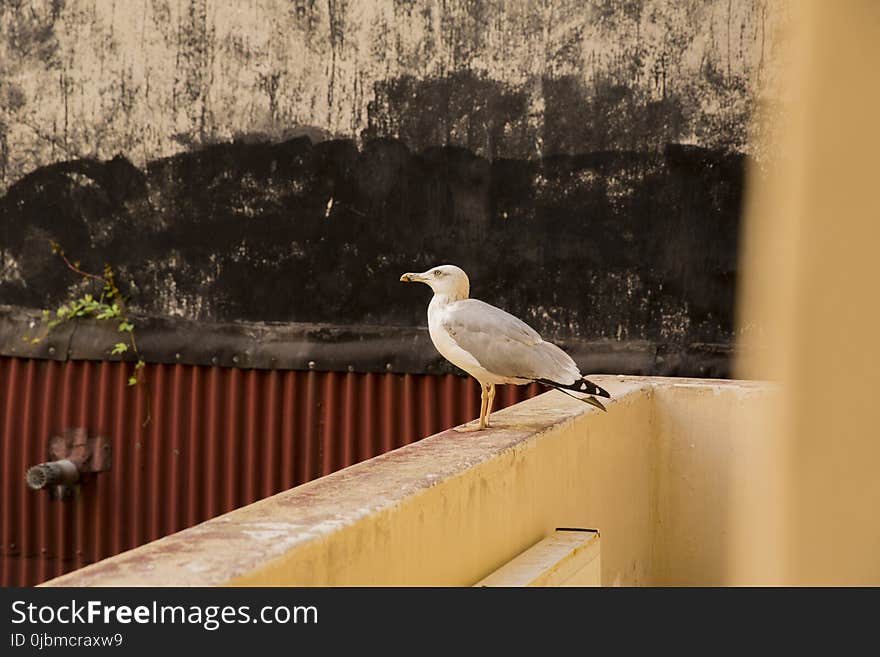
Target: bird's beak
x=409, y=277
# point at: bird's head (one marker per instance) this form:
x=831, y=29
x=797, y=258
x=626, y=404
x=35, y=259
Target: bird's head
x=447, y=280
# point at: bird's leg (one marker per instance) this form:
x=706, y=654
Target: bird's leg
x=484, y=404
x=489, y=405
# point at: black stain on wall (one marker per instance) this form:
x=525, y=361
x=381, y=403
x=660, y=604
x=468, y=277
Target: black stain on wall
x=615, y=246
x=610, y=235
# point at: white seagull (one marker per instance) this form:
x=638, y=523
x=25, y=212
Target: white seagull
x=492, y=345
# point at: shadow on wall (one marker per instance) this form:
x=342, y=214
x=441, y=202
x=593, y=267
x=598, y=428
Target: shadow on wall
x=562, y=114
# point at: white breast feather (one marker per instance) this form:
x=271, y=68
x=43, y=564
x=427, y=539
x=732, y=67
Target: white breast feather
x=451, y=351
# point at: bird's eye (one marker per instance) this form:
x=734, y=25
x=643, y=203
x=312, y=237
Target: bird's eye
x=437, y=273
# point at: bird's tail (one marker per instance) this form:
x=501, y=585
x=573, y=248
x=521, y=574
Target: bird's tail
x=585, y=386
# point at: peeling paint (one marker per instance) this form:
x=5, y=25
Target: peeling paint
x=9, y=269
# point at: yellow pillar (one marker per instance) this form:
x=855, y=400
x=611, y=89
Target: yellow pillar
x=810, y=309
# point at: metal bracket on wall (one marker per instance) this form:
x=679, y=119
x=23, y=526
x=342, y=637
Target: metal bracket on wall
x=74, y=457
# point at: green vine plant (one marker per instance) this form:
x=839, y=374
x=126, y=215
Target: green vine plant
x=107, y=305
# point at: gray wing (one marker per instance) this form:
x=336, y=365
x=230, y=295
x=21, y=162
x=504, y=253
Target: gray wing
x=505, y=345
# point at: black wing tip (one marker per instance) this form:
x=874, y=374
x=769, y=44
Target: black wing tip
x=591, y=389
x=598, y=390
x=592, y=401
x=584, y=385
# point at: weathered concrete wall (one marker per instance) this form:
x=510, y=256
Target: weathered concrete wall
x=583, y=161
x=657, y=475
x=151, y=78
x=608, y=247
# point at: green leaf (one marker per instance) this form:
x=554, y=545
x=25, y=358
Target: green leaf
x=139, y=365
x=35, y=340
x=62, y=311
x=109, y=312
x=88, y=298
x=119, y=348
x=126, y=326
x=132, y=381
x=45, y=315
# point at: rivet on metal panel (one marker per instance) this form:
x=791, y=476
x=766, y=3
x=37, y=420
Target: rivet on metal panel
x=51, y=351
x=388, y=367
x=177, y=356
x=351, y=368
x=214, y=360
x=235, y=359
x=311, y=364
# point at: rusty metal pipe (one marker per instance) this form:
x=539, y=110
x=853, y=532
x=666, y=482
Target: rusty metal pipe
x=54, y=473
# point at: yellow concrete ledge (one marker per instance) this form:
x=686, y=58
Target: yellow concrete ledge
x=568, y=557
x=653, y=475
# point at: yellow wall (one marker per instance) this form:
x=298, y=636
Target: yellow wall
x=810, y=311
x=710, y=460
x=656, y=475
x=595, y=472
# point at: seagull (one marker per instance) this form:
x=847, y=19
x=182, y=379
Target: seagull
x=492, y=345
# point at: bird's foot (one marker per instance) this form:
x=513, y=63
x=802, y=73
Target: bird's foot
x=470, y=426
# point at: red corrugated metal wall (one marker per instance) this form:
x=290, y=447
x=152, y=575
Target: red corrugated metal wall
x=218, y=439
